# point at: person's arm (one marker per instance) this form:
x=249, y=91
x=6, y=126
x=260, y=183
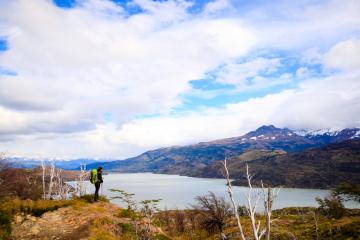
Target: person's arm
x=100, y=177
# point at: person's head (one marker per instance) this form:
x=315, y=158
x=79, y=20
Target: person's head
x=99, y=169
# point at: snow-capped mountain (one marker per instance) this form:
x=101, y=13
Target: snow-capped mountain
x=327, y=135
x=287, y=150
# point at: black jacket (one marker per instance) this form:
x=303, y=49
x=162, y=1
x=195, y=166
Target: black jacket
x=99, y=176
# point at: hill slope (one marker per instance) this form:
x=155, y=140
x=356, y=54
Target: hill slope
x=198, y=160
x=325, y=167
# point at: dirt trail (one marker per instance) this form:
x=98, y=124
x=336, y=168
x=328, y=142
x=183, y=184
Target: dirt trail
x=65, y=223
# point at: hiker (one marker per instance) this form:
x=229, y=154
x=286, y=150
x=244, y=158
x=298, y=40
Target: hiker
x=96, y=178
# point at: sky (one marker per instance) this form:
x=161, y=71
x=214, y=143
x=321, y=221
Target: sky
x=110, y=79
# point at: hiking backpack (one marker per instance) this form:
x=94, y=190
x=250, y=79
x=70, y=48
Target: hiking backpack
x=93, y=176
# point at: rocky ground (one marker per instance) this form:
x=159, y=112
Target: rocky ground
x=86, y=221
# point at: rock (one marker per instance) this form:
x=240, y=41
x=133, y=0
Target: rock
x=18, y=219
x=34, y=230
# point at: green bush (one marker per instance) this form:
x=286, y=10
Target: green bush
x=90, y=198
x=331, y=207
x=161, y=237
x=349, y=231
x=126, y=213
x=242, y=211
x=5, y=225
x=126, y=228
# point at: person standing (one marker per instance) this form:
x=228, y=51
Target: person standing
x=97, y=180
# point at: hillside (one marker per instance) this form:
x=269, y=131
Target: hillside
x=325, y=167
x=263, y=144
x=184, y=159
x=72, y=219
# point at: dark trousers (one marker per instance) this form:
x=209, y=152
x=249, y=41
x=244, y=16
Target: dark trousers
x=97, y=187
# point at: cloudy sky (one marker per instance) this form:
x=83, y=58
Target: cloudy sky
x=111, y=79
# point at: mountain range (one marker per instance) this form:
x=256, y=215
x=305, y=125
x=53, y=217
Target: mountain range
x=278, y=156
x=19, y=162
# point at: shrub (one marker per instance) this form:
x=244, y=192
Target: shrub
x=90, y=198
x=349, y=231
x=214, y=212
x=5, y=225
x=161, y=237
x=20, y=183
x=127, y=228
x=242, y=211
x=348, y=191
x=331, y=207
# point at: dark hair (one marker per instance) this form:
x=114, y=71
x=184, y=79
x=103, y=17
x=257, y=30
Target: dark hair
x=99, y=168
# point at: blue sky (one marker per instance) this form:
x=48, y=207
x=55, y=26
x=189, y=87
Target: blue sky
x=112, y=79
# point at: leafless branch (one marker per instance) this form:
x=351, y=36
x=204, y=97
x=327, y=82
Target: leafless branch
x=231, y=195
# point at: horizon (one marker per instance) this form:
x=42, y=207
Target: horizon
x=111, y=79
x=296, y=131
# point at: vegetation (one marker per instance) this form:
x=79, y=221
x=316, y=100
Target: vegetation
x=331, y=207
x=210, y=218
x=214, y=212
x=347, y=191
x=288, y=223
x=141, y=213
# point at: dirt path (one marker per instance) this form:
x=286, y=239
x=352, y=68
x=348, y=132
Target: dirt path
x=65, y=223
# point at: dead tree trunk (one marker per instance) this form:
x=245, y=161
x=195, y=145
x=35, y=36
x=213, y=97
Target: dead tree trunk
x=231, y=195
x=268, y=197
x=269, y=194
x=43, y=178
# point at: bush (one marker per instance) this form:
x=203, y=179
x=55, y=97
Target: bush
x=348, y=191
x=349, y=231
x=126, y=228
x=331, y=207
x=242, y=211
x=161, y=237
x=20, y=183
x=5, y=225
x=214, y=212
x=90, y=198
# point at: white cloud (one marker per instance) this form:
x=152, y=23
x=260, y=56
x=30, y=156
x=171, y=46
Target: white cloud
x=218, y=5
x=82, y=62
x=75, y=65
x=318, y=103
x=240, y=74
x=297, y=25
x=344, y=55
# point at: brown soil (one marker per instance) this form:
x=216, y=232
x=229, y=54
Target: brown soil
x=69, y=223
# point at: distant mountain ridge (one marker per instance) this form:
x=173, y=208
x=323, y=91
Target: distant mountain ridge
x=19, y=162
x=198, y=159
x=324, y=167
x=283, y=156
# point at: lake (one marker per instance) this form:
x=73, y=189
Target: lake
x=180, y=191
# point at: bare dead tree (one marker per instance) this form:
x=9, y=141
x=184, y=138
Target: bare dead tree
x=251, y=208
x=269, y=194
x=43, y=167
x=56, y=186
x=80, y=183
x=316, y=219
x=61, y=189
x=3, y=165
x=51, y=181
x=252, y=204
x=3, y=161
x=231, y=195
